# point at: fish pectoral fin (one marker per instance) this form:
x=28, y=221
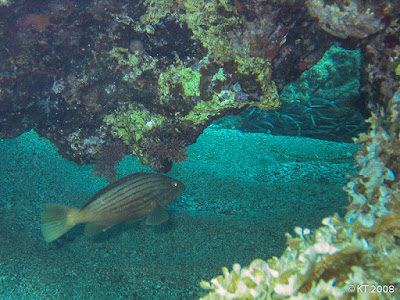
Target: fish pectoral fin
x=158, y=216
x=93, y=228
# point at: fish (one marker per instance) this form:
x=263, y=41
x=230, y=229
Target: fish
x=131, y=198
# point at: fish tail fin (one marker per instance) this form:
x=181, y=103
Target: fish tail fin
x=57, y=220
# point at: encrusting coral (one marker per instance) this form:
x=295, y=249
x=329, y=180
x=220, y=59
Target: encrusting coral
x=357, y=257
x=188, y=62
x=345, y=20
x=190, y=92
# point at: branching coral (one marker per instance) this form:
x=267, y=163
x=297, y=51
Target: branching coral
x=344, y=258
x=108, y=157
x=164, y=152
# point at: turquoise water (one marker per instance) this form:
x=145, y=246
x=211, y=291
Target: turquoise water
x=244, y=191
x=104, y=78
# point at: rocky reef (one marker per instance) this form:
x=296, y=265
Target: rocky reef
x=324, y=103
x=151, y=75
x=357, y=257
x=102, y=79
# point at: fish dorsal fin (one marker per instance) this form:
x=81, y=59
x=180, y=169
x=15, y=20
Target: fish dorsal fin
x=93, y=228
x=158, y=216
x=112, y=186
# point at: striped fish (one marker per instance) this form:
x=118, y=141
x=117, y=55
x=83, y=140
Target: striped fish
x=130, y=199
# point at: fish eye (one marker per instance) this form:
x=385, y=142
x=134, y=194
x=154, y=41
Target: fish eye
x=175, y=184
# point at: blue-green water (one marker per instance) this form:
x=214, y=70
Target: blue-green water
x=244, y=191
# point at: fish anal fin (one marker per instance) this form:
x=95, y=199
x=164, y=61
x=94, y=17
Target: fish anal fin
x=158, y=216
x=133, y=220
x=93, y=228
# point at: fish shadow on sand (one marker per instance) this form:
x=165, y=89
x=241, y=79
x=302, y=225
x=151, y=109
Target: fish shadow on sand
x=70, y=237
x=75, y=235
x=134, y=229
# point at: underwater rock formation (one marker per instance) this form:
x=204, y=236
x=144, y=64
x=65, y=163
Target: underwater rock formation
x=324, y=103
x=70, y=70
x=346, y=19
x=357, y=257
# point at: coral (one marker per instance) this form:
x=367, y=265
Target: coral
x=109, y=156
x=323, y=103
x=201, y=90
x=208, y=109
x=203, y=17
x=37, y=21
x=397, y=70
x=214, y=31
x=178, y=74
x=226, y=99
x=343, y=258
x=5, y=2
x=137, y=61
x=156, y=11
x=67, y=68
x=381, y=58
x=164, y=152
x=132, y=125
x=81, y=144
x=209, y=26
x=345, y=21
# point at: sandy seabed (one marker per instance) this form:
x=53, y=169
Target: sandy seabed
x=243, y=193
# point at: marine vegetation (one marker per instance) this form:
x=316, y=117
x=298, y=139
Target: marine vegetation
x=355, y=257
x=324, y=103
x=155, y=73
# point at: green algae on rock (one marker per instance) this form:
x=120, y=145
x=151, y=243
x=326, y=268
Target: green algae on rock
x=220, y=55
x=190, y=92
x=133, y=125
